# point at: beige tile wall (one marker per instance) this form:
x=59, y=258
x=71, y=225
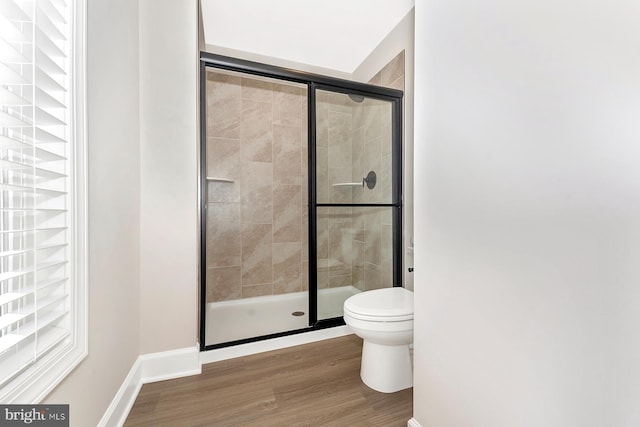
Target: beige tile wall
x=257, y=226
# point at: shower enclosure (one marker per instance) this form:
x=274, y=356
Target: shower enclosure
x=300, y=198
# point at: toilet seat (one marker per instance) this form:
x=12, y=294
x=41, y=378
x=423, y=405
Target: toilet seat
x=381, y=305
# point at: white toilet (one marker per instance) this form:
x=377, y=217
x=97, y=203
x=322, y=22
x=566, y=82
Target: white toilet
x=383, y=318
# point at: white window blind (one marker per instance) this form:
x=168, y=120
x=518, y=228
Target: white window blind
x=37, y=280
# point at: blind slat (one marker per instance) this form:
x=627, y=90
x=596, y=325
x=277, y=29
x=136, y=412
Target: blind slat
x=47, y=83
x=11, y=320
x=48, y=46
x=46, y=173
x=25, y=251
x=42, y=136
x=12, y=296
x=9, y=76
x=30, y=309
x=32, y=230
x=11, y=10
x=17, y=361
x=44, y=118
x=28, y=290
x=29, y=330
x=12, y=121
x=11, y=165
x=46, y=100
x=33, y=190
x=45, y=25
x=51, y=11
x=47, y=155
x=41, y=266
x=47, y=64
x=59, y=3
x=10, y=31
x=40, y=172
x=9, y=340
x=11, y=99
x=11, y=54
x=32, y=210
x=13, y=143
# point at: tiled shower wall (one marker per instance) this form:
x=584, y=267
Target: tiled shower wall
x=257, y=232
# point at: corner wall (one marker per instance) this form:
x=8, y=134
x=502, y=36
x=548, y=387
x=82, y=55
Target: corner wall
x=527, y=305
x=113, y=214
x=169, y=227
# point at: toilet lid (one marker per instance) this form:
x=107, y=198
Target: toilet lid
x=389, y=304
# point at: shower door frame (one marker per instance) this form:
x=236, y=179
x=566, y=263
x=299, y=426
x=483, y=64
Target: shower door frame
x=313, y=82
x=396, y=189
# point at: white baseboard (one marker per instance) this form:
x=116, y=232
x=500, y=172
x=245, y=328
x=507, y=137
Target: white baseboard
x=170, y=364
x=413, y=423
x=117, y=412
x=149, y=368
x=272, y=344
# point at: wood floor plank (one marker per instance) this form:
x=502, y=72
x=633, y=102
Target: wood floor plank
x=313, y=385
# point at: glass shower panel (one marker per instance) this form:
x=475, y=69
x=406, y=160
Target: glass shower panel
x=256, y=213
x=354, y=191
x=355, y=254
x=353, y=149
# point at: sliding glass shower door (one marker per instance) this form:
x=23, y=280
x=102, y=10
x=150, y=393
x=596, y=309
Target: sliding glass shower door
x=357, y=197
x=300, y=198
x=255, y=206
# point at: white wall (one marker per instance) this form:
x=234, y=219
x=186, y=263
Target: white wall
x=399, y=39
x=528, y=213
x=114, y=196
x=169, y=236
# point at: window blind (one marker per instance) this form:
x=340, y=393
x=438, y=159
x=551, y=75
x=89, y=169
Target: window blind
x=35, y=199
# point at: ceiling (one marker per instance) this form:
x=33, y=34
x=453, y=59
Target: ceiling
x=334, y=34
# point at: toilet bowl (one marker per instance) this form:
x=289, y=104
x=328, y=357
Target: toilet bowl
x=383, y=318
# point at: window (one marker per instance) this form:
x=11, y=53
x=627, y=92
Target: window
x=42, y=196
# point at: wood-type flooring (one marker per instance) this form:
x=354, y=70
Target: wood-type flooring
x=313, y=385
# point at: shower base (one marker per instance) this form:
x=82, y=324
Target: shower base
x=253, y=317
